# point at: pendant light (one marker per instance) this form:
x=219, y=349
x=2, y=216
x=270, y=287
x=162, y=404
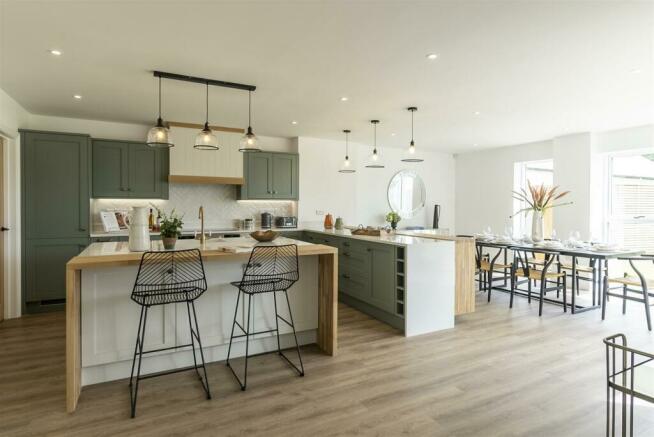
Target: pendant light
x=249, y=141
x=347, y=164
x=411, y=153
x=159, y=136
x=375, y=159
x=205, y=139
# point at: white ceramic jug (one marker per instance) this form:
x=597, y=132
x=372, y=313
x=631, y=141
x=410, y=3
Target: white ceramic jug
x=139, y=232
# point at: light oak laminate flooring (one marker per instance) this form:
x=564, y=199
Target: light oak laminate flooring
x=500, y=372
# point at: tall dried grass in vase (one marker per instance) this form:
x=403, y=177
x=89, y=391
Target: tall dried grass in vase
x=539, y=199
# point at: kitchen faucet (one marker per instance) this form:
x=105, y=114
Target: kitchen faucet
x=203, y=238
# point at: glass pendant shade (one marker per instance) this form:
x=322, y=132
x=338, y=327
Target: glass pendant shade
x=411, y=155
x=375, y=160
x=206, y=140
x=159, y=136
x=249, y=142
x=347, y=166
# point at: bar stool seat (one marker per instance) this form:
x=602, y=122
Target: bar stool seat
x=254, y=286
x=163, y=296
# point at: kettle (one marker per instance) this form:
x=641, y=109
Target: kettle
x=266, y=220
x=139, y=230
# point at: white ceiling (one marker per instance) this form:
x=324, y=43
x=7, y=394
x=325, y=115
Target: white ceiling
x=533, y=70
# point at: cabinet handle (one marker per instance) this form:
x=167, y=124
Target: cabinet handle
x=346, y=276
x=346, y=254
x=82, y=229
x=368, y=249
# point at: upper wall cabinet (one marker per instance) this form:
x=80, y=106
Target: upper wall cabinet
x=123, y=169
x=190, y=165
x=270, y=175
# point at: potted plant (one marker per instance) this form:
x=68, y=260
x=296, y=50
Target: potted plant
x=393, y=218
x=539, y=200
x=171, y=228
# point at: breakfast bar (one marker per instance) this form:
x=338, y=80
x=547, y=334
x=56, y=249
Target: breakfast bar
x=101, y=320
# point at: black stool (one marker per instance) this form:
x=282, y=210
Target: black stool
x=270, y=269
x=167, y=278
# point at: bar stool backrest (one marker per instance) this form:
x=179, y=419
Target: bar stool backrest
x=272, y=263
x=170, y=272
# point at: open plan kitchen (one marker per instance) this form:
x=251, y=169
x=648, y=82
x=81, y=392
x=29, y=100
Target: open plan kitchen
x=326, y=218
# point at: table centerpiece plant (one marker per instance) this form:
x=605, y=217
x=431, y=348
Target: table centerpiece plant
x=393, y=218
x=539, y=200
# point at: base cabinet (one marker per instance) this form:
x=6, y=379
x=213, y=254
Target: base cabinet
x=371, y=275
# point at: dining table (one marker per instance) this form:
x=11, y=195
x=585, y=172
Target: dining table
x=595, y=256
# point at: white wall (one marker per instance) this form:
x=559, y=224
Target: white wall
x=484, y=179
x=360, y=198
x=484, y=182
x=12, y=117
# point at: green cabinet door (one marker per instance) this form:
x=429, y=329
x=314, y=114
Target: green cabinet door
x=110, y=169
x=258, y=175
x=382, y=277
x=284, y=176
x=123, y=169
x=55, y=185
x=45, y=269
x=148, y=174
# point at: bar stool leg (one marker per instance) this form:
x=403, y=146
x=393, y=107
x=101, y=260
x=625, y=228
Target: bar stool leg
x=205, y=383
x=136, y=345
x=134, y=393
x=279, y=348
x=231, y=336
x=297, y=346
x=247, y=344
x=190, y=325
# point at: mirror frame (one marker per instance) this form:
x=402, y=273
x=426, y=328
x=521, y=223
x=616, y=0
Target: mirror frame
x=423, y=192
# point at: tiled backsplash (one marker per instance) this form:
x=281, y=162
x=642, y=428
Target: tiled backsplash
x=221, y=209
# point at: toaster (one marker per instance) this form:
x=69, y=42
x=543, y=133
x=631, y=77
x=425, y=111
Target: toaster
x=286, y=222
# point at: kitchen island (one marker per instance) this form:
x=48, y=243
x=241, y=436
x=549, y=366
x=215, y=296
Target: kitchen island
x=102, y=321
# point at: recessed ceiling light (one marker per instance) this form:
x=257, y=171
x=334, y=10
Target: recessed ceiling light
x=432, y=56
x=77, y=97
x=55, y=52
x=476, y=144
x=294, y=122
x=393, y=134
x=344, y=99
x=477, y=112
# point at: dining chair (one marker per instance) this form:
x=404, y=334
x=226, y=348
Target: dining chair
x=634, y=288
x=543, y=274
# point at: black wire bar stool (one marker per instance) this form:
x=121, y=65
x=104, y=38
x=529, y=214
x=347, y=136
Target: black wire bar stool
x=629, y=372
x=270, y=269
x=163, y=278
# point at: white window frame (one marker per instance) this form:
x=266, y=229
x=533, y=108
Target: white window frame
x=520, y=222
x=611, y=221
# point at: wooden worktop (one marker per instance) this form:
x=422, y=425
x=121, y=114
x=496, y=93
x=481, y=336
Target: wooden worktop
x=118, y=253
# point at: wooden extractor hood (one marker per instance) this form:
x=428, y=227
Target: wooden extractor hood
x=191, y=166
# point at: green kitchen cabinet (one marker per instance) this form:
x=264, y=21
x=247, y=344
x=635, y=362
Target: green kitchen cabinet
x=55, y=193
x=284, y=176
x=270, y=175
x=55, y=185
x=45, y=263
x=124, y=169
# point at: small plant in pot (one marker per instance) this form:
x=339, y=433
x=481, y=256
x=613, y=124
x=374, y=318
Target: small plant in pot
x=393, y=218
x=171, y=228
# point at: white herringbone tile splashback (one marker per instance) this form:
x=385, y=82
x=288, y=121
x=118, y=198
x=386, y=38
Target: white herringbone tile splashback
x=221, y=209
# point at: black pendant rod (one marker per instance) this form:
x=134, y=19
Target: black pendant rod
x=347, y=148
x=206, y=122
x=184, y=78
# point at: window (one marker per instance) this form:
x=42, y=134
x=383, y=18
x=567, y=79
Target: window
x=537, y=173
x=631, y=201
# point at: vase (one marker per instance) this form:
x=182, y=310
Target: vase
x=394, y=225
x=536, y=226
x=169, y=242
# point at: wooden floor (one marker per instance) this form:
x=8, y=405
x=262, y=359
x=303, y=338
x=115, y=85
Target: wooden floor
x=500, y=372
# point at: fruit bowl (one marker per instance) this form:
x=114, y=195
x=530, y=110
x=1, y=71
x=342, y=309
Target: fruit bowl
x=264, y=236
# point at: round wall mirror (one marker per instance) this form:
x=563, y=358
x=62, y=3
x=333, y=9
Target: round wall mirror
x=406, y=193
